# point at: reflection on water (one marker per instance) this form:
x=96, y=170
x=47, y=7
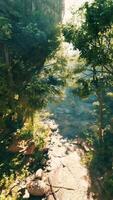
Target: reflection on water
x=73, y=114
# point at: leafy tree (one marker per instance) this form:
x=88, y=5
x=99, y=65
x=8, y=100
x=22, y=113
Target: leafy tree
x=28, y=36
x=93, y=38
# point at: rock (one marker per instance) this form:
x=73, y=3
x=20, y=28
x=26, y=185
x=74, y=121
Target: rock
x=79, y=141
x=48, y=162
x=30, y=149
x=22, y=185
x=45, y=150
x=49, y=140
x=85, y=146
x=75, y=142
x=31, y=178
x=26, y=195
x=59, y=145
x=66, y=145
x=39, y=173
x=53, y=127
x=63, y=141
x=71, y=148
x=80, y=152
x=55, y=133
x=45, y=178
x=48, y=169
x=38, y=188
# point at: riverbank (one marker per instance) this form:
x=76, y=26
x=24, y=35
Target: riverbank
x=69, y=178
x=64, y=177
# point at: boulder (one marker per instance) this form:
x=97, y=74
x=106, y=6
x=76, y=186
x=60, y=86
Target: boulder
x=38, y=188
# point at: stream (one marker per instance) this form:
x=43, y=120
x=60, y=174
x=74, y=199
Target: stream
x=73, y=115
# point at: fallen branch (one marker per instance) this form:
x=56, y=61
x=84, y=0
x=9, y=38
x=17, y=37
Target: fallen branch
x=61, y=187
x=51, y=187
x=50, y=193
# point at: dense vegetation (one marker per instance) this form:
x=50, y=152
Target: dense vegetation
x=93, y=37
x=29, y=38
x=31, y=73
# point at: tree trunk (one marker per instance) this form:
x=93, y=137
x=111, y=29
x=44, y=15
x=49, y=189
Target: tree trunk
x=101, y=126
x=7, y=61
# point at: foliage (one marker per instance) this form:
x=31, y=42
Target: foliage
x=28, y=36
x=41, y=131
x=93, y=37
x=29, y=39
x=18, y=166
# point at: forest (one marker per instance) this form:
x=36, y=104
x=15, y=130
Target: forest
x=55, y=106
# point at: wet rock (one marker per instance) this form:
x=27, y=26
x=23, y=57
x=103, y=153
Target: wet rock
x=38, y=188
x=39, y=174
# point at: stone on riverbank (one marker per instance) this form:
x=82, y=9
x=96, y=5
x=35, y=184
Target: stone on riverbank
x=38, y=188
x=39, y=173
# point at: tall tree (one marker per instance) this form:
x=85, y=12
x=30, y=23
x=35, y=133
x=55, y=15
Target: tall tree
x=93, y=38
x=28, y=36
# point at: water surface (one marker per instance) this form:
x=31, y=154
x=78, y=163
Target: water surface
x=74, y=115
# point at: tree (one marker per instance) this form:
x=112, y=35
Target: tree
x=28, y=36
x=93, y=38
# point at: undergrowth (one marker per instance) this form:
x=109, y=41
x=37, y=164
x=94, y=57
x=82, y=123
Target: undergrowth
x=17, y=166
x=100, y=164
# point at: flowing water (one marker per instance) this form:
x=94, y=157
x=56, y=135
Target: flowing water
x=73, y=114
